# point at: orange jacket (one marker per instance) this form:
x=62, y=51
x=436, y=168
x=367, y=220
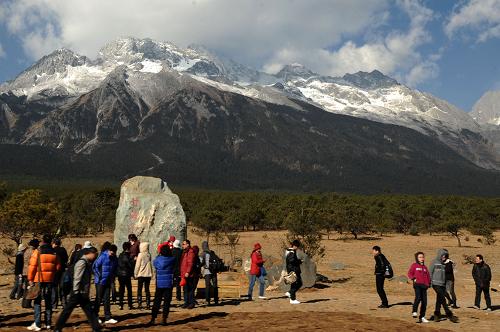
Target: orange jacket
x=49, y=264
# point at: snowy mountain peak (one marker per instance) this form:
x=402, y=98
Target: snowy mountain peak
x=369, y=81
x=487, y=109
x=295, y=70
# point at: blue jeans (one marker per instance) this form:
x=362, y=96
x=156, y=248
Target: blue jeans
x=46, y=295
x=262, y=283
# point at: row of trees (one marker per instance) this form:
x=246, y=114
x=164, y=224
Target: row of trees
x=32, y=212
x=308, y=217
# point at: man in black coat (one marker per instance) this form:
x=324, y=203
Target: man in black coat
x=481, y=273
x=177, y=253
x=380, y=266
x=62, y=254
x=293, y=265
x=125, y=272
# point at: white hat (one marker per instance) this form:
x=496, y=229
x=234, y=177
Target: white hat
x=177, y=244
x=87, y=244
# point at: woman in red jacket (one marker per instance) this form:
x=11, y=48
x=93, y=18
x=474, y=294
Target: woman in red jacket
x=257, y=271
x=421, y=278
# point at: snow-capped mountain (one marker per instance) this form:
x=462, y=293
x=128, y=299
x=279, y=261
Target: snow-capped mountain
x=487, y=109
x=155, y=70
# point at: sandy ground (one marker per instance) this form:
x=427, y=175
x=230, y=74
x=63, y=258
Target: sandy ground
x=348, y=304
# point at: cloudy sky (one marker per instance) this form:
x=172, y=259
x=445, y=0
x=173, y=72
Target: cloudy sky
x=447, y=47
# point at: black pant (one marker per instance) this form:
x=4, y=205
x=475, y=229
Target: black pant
x=211, y=284
x=164, y=294
x=143, y=282
x=486, y=291
x=73, y=301
x=57, y=290
x=125, y=282
x=102, y=295
x=189, y=290
x=294, y=287
x=420, y=298
x=18, y=289
x=178, y=289
x=379, y=280
x=441, y=301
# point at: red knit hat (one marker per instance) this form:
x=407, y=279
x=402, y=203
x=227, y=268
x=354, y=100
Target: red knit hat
x=257, y=246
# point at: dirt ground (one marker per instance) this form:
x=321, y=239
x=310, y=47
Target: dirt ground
x=349, y=303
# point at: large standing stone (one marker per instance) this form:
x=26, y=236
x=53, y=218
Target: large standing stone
x=150, y=210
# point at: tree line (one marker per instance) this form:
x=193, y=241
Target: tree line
x=306, y=216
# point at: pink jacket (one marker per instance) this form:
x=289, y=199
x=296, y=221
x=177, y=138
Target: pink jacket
x=420, y=274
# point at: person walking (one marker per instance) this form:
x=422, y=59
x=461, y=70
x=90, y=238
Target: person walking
x=164, y=265
x=17, y=290
x=437, y=270
x=450, y=283
x=293, y=265
x=104, y=269
x=125, y=272
x=177, y=254
x=481, y=273
x=187, y=272
x=256, y=271
x=421, y=278
x=81, y=273
x=143, y=273
x=209, y=275
x=380, y=268
x=62, y=254
x=42, y=269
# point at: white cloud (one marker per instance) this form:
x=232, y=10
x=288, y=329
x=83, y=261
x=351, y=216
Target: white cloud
x=251, y=31
x=482, y=17
x=2, y=52
x=394, y=54
x=260, y=33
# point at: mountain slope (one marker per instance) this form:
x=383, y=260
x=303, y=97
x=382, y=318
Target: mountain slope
x=151, y=107
x=202, y=136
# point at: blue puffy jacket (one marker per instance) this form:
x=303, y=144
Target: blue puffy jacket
x=104, y=268
x=164, y=271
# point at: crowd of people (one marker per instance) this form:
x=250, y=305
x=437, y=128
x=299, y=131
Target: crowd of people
x=65, y=280
x=440, y=277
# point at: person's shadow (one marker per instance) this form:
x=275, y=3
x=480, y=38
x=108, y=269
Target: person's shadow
x=400, y=303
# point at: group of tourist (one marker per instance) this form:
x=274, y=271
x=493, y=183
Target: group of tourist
x=439, y=276
x=66, y=279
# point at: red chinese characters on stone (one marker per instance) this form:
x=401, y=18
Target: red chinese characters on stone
x=134, y=215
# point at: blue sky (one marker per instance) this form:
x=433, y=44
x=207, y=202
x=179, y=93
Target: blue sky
x=445, y=47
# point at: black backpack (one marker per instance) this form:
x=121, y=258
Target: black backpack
x=215, y=264
x=388, y=273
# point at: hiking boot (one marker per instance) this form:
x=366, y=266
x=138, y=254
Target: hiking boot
x=423, y=320
x=453, y=319
x=475, y=307
x=191, y=306
x=111, y=321
x=383, y=306
x=151, y=322
x=294, y=302
x=414, y=315
x=262, y=297
x=455, y=306
x=287, y=294
x=487, y=309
